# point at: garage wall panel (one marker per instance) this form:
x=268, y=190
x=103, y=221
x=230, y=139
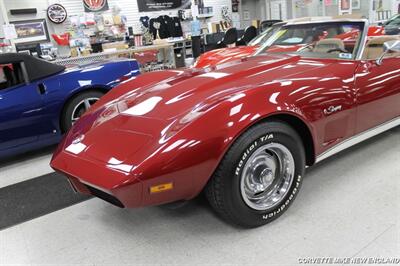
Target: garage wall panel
x=130, y=9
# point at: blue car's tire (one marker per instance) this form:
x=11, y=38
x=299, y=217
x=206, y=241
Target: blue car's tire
x=260, y=175
x=77, y=106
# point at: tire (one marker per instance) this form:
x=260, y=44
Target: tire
x=74, y=106
x=231, y=190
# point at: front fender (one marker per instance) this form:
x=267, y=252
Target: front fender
x=188, y=152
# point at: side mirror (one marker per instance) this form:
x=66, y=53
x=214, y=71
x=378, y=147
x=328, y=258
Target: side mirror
x=389, y=47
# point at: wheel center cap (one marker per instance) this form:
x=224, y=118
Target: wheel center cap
x=267, y=177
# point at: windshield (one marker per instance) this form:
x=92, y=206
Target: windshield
x=395, y=21
x=264, y=36
x=322, y=40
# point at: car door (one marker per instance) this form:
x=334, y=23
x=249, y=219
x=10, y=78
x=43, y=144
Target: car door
x=378, y=92
x=21, y=111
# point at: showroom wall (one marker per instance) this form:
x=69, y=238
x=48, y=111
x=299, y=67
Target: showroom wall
x=129, y=9
x=279, y=9
x=2, y=12
x=396, y=6
x=1, y=23
x=364, y=9
x=40, y=5
x=256, y=9
x=311, y=9
x=250, y=10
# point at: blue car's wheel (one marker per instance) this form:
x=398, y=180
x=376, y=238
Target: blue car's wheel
x=77, y=106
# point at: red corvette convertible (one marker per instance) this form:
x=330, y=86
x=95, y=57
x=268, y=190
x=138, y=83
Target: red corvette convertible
x=224, y=55
x=243, y=132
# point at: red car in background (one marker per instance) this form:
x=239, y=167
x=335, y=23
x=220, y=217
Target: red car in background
x=243, y=132
x=224, y=55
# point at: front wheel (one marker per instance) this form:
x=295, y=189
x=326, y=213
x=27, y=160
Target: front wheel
x=77, y=106
x=260, y=175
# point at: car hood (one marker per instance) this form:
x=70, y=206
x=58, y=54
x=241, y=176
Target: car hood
x=148, y=115
x=179, y=91
x=224, y=55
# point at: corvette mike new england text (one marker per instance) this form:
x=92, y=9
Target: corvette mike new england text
x=350, y=261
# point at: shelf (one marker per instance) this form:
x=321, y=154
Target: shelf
x=209, y=15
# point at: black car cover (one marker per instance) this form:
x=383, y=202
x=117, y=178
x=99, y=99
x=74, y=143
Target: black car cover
x=36, y=68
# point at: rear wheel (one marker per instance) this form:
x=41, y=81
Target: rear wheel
x=77, y=106
x=260, y=175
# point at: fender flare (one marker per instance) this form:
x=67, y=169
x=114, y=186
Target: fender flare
x=75, y=92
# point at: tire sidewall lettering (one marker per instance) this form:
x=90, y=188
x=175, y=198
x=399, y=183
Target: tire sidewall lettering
x=249, y=150
x=287, y=202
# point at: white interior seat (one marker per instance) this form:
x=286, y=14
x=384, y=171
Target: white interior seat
x=325, y=45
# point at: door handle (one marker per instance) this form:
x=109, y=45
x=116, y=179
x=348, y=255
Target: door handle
x=41, y=88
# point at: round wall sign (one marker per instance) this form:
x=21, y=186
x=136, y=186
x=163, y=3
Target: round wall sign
x=57, y=13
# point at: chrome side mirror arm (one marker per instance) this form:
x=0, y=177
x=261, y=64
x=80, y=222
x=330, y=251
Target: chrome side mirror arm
x=392, y=46
x=379, y=61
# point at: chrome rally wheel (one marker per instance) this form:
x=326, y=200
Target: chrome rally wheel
x=267, y=176
x=259, y=176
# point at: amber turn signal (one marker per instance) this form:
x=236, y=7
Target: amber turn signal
x=161, y=188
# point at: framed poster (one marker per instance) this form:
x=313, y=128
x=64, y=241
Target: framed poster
x=95, y=5
x=34, y=30
x=345, y=5
x=157, y=5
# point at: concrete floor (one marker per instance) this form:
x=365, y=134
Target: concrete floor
x=349, y=206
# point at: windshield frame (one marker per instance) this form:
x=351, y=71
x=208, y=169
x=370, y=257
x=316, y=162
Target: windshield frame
x=262, y=35
x=392, y=19
x=361, y=45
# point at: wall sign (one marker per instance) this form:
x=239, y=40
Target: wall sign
x=57, y=13
x=156, y=5
x=95, y=5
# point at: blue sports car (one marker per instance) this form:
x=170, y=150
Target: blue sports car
x=39, y=101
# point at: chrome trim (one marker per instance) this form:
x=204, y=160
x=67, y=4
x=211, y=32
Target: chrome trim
x=323, y=20
x=363, y=40
x=359, y=138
